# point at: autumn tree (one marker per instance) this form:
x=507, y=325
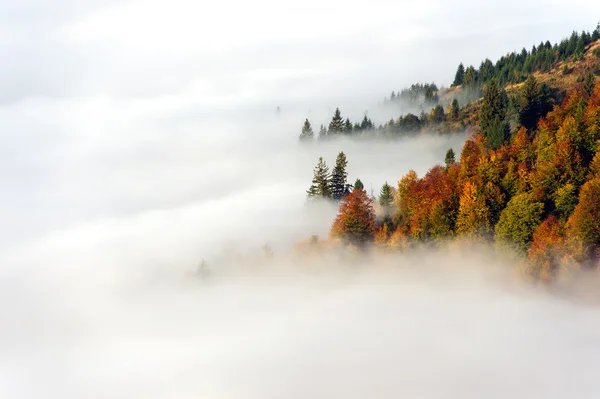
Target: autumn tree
x=307, y=132
x=473, y=213
x=339, y=186
x=320, y=182
x=546, y=250
x=518, y=221
x=583, y=226
x=355, y=222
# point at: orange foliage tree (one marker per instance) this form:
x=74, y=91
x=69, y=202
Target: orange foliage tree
x=546, y=249
x=355, y=222
x=584, y=224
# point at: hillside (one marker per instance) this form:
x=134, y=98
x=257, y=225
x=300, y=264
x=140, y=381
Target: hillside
x=528, y=180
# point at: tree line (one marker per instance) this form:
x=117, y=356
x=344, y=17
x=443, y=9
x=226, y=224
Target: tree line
x=516, y=66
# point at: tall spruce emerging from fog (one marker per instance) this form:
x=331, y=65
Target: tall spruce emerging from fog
x=339, y=183
x=337, y=123
x=530, y=103
x=307, y=132
x=321, y=181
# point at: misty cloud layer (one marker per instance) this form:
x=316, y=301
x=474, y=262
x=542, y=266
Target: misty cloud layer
x=139, y=137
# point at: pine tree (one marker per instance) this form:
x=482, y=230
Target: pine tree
x=454, y=109
x=336, y=125
x=348, y=126
x=322, y=133
x=339, y=185
x=588, y=84
x=493, y=113
x=386, y=197
x=358, y=185
x=307, y=132
x=320, y=182
x=460, y=75
x=450, y=158
x=596, y=33
x=470, y=77
x=529, y=102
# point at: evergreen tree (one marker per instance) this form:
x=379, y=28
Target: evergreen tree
x=437, y=114
x=493, y=112
x=320, y=182
x=529, y=103
x=366, y=124
x=348, y=126
x=307, y=132
x=322, y=133
x=336, y=125
x=339, y=186
x=386, y=197
x=358, y=185
x=596, y=33
x=454, y=109
x=460, y=75
x=470, y=77
x=588, y=84
x=450, y=158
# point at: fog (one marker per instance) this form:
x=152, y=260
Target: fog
x=139, y=138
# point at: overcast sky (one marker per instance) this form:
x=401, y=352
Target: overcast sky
x=137, y=137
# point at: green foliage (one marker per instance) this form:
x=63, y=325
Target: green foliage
x=460, y=75
x=320, y=182
x=565, y=200
x=358, y=185
x=337, y=123
x=450, y=158
x=588, y=84
x=386, y=196
x=454, y=109
x=307, y=133
x=339, y=186
x=533, y=102
x=498, y=133
x=518, y=221
x=493, y=105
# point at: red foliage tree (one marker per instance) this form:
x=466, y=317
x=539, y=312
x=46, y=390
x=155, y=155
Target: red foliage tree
x=546, y=249
x=355, y=222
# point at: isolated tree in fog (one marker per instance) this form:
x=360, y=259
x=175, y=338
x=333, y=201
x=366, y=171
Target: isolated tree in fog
x=339, y=186
x=307, y=132
x=460, y=75
x=355, y=222
x=337, y=123
x=320, y=182
x=358, y=185
x=450, y=158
